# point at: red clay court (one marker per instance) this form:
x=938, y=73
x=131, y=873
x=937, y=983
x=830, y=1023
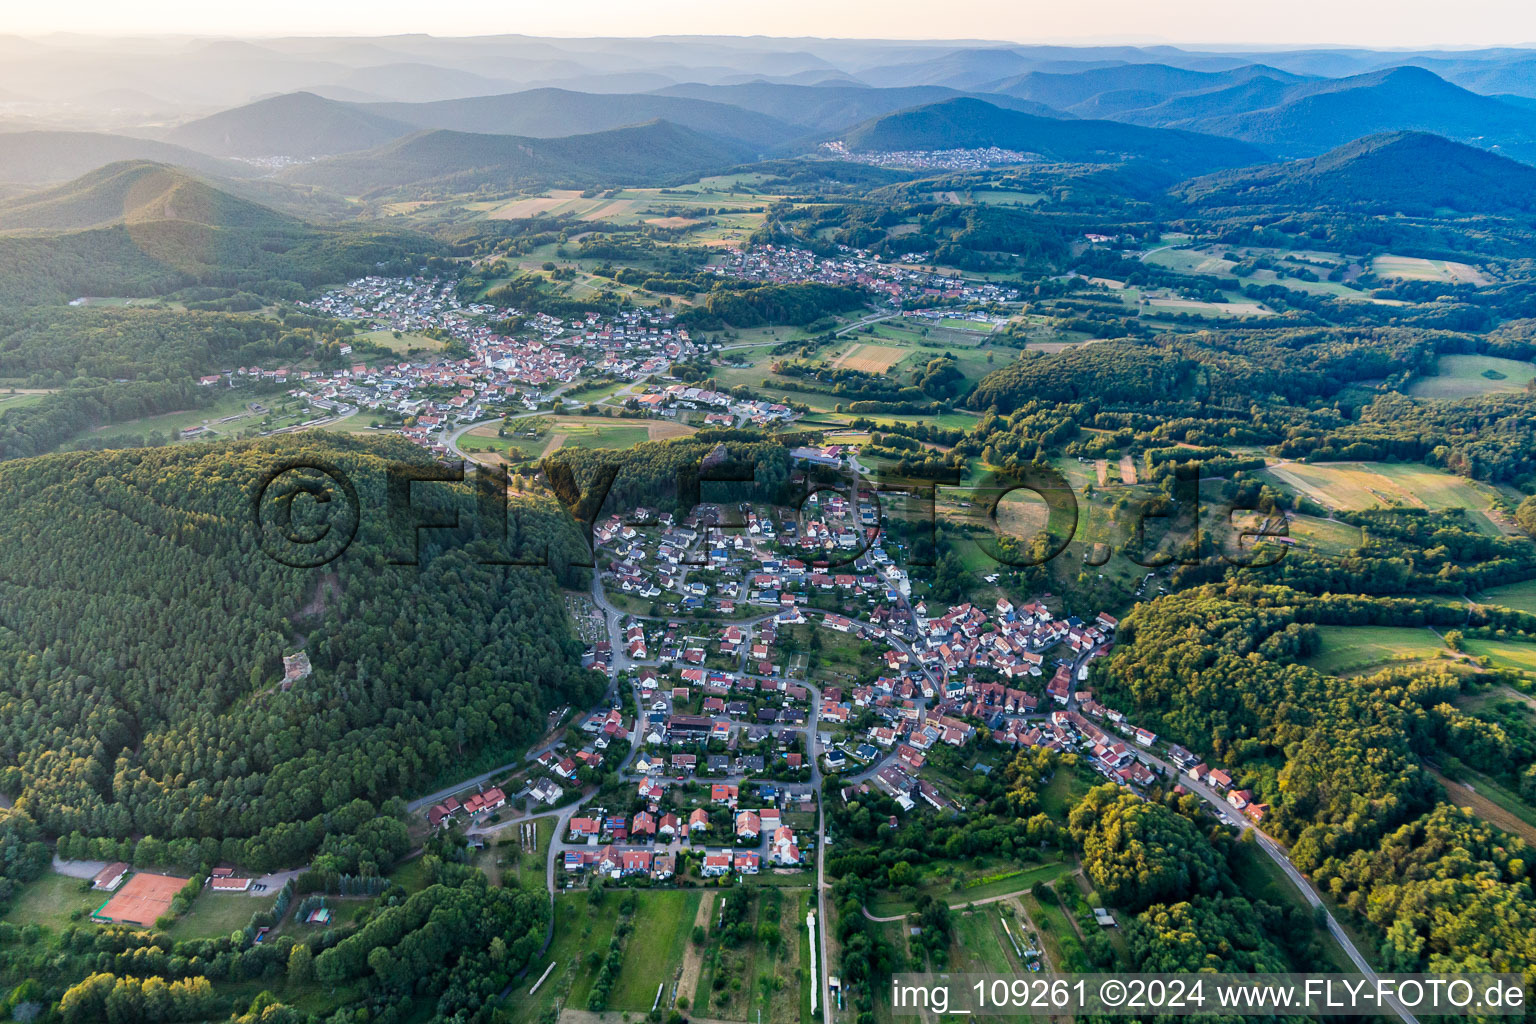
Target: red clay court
x=142, y=900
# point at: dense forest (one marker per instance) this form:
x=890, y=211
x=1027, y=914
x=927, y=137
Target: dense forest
x=145, y=627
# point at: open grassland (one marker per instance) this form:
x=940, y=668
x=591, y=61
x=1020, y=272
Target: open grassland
x=1326, y=535
x=1211, y=261
x=1412, y=268
x=1469, y=376
x=1367, y=485
x=1354, y=648
x=52, y=902
x=663, y=923
x=401, y=342
x=575, y=432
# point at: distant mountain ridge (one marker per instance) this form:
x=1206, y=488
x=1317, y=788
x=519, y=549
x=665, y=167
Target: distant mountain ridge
x=973, y=124
x=299, y=125
x=1395, y=172
x=553, y=113
x=46, y=157
x=1314, y=116
x=827, y=108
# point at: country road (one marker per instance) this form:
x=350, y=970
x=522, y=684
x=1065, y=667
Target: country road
x=1226, y=814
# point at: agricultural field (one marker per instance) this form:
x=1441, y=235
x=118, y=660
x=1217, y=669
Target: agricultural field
x=1355, y=648
x=1211, y=261
x=1366, y=485
x=556, y=432
x=978, y=945
x=1469, y=376
x=869, y=358
x=1412, y=268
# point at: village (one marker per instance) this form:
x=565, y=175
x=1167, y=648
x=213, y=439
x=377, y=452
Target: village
x=750, y=674
x=899, y=284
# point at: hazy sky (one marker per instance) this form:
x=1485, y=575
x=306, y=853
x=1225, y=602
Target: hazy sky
x=1419, y=23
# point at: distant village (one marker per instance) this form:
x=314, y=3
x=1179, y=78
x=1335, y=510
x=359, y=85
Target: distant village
x=897, y=283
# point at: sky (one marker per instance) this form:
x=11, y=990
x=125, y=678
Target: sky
x=1376, y=23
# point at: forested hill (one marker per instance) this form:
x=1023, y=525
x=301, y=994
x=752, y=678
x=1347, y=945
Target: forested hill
x=143, y=229
x=142, y=630
x=644, y=154
x=972, y=124
x=1396, y=172
x=137, y=192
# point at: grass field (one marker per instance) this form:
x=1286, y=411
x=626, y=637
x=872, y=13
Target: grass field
x=1504, y=653
x=530, y=868
x=576, y=432
x=52, y=901
x=1519, y=596
x=662, y=924
x=218, y=913
x=580, y=928
x=1328, y=536
x=955, y=889
x=1350, y=648
x=402, y=342
x=1468, y=376
x=1366, y=485
x=1412, y=268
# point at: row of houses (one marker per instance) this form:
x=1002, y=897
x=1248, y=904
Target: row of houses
x=471, y=807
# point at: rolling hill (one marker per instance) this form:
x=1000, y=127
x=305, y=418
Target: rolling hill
x=298, y=125
x=135, y=192
x=973, y=124
x=554, y=113
x=47, y=157
x=1397, y=172
x=445, y=160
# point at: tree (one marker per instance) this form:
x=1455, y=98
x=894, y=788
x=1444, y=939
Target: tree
x=301, y=965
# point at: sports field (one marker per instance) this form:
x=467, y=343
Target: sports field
x=142, y=900
x=1468, y=376
x=1366, y=485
